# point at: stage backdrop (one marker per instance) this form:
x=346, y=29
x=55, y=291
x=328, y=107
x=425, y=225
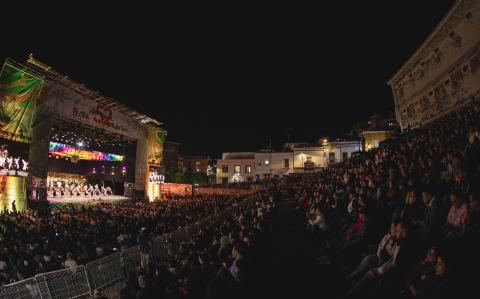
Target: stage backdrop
x=19, y=92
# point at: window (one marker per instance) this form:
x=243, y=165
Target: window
x=197, y=166
x=267, y=162
x=224, y=180
x=237, y=169
x=344, y=156
x=287, y=163
x=248, y=168
x=259, y=163
x=172, y=165
x=224, y=168
x=331, y=157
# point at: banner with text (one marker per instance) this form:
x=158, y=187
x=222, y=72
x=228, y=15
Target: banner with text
x=67, y=102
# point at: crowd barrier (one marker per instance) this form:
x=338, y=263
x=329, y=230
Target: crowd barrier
x=109, y=274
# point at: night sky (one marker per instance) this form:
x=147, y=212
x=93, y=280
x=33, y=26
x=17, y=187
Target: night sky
x=232, y=80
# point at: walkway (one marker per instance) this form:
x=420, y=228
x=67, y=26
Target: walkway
x=290, y=269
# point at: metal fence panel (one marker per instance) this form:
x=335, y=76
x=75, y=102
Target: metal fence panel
x=63, y=284
x=130, y=259
x=25, y=289
x=105, y=272
x=160, y=250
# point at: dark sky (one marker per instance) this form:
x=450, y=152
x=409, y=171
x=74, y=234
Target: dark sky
x=230, y=79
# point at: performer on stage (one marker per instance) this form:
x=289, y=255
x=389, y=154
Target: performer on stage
x=76, y=190
x=2, y=161
x=17, y=163
x=90, y=189
x=25, y=165
x=10, y=162
x=96, y=191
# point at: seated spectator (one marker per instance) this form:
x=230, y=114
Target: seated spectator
x=458, y=217
x=414, y=208
x=389, y=273
x=433, y=216
x=317, y=221
x=384, y=251
x=431, y=284
x=474, y=216
x=423, y=271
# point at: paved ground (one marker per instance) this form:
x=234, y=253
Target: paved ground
x=289, y=269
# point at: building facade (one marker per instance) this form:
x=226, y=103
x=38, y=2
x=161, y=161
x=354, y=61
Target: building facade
x=315, y=158
x=196, y=164
x=171, y=154
x=236, y=167
x=273, y=164
x=444, y=72
x=263, y=165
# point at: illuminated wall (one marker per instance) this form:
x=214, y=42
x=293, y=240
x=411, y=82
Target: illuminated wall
x=372, y=139
x=153, y=191
x=12, y=188
x=68, y=151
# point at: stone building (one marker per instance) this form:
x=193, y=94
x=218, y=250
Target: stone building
x=444, y=72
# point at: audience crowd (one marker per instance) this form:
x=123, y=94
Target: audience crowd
x=32, y=243
x=400, y=221
x=403, y=220
x=218, y=261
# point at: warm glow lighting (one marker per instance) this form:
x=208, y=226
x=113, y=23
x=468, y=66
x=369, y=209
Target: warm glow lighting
x=14, y=190
x=153, y=191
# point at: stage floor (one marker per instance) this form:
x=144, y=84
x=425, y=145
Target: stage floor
x=87, y=200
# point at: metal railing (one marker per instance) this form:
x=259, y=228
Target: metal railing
x=110, y=273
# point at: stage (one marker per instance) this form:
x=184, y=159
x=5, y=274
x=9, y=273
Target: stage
x=89, y=200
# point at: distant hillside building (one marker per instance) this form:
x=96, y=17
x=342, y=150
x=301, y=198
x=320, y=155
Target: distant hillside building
x=196, y=164
x=444, y=72
x=171, y=156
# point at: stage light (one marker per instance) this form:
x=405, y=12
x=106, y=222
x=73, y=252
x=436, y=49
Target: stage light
x=80, y=143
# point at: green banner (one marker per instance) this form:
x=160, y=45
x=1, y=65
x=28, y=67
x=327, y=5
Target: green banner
x=156, y=138
x=19, y=92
